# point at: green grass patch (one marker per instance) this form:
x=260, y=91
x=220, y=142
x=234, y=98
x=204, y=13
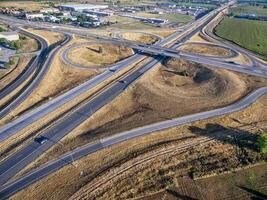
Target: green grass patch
x=175, y=17
x=249, y=34
x=203, y=5
x=242, y=10
x=172, y=17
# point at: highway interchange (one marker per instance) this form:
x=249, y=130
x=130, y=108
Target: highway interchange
x=19, y=160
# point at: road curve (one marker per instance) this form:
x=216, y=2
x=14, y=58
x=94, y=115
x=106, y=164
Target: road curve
x=13, y=164
x=231, y=55
x=208, y=34
x=22, y=158
x=119, y=34
x=41, y=65
x=20, y=123
x=52, y=166
x=27, y=71
x=66, y=60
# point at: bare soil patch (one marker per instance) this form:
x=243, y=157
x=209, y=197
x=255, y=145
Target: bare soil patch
x=98, y=54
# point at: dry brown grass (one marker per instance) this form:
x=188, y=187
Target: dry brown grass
x=28, y=45
x=14, y=72
x=90, y=55
x=139, y=37
x=197, y=38
x=59, y=78
x=49, y=36
x=162, y=33
x=150, y=175
x=159, y=95
x=204, y=49
x=25, y=5
x=24, y=136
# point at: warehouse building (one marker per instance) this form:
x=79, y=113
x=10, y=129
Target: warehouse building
x=98, y=13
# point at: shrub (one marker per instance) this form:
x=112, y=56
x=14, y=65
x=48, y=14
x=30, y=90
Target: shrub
x=2, y=29
x=262, y=143
x=22, y=37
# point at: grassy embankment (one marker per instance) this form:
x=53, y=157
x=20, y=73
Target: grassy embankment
x=249, y=34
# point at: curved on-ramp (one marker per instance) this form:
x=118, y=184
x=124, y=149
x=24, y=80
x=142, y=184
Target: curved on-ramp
x=232, y=54
x=37, y=69
x=66, y=60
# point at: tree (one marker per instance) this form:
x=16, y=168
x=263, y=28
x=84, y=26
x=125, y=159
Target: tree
x=2, y=29
x=82, y=19
x=100, y=50
x=262, y=143
x=185, y=73
x=22, y=37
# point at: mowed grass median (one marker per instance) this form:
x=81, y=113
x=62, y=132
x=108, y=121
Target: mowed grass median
x=250, y=34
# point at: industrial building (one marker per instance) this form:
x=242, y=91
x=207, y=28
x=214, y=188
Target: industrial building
x=147, y=20
x=81, y=7
x=30, y=16
x=98, y=13
x=10, y=36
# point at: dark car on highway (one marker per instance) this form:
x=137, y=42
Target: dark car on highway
x=40, y=139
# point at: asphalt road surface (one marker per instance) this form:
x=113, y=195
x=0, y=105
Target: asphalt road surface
x=52, y=166
x=38, y=68
x=27, y=72
x=22, y=158
x=31, y=152
x=20, y=123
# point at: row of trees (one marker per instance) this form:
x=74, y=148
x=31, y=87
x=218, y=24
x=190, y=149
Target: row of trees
x=11, y=44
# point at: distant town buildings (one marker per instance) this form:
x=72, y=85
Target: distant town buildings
x=10, y=36
x=81, y=7
x=93, y=15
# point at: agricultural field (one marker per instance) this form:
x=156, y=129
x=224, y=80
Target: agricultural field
x=172, y=17
x=209, y=6
x=249, y=34
x=26, y=5
x=241, y=10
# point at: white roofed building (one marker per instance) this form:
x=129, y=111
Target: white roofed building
x=34, y=16
x=10, y=36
